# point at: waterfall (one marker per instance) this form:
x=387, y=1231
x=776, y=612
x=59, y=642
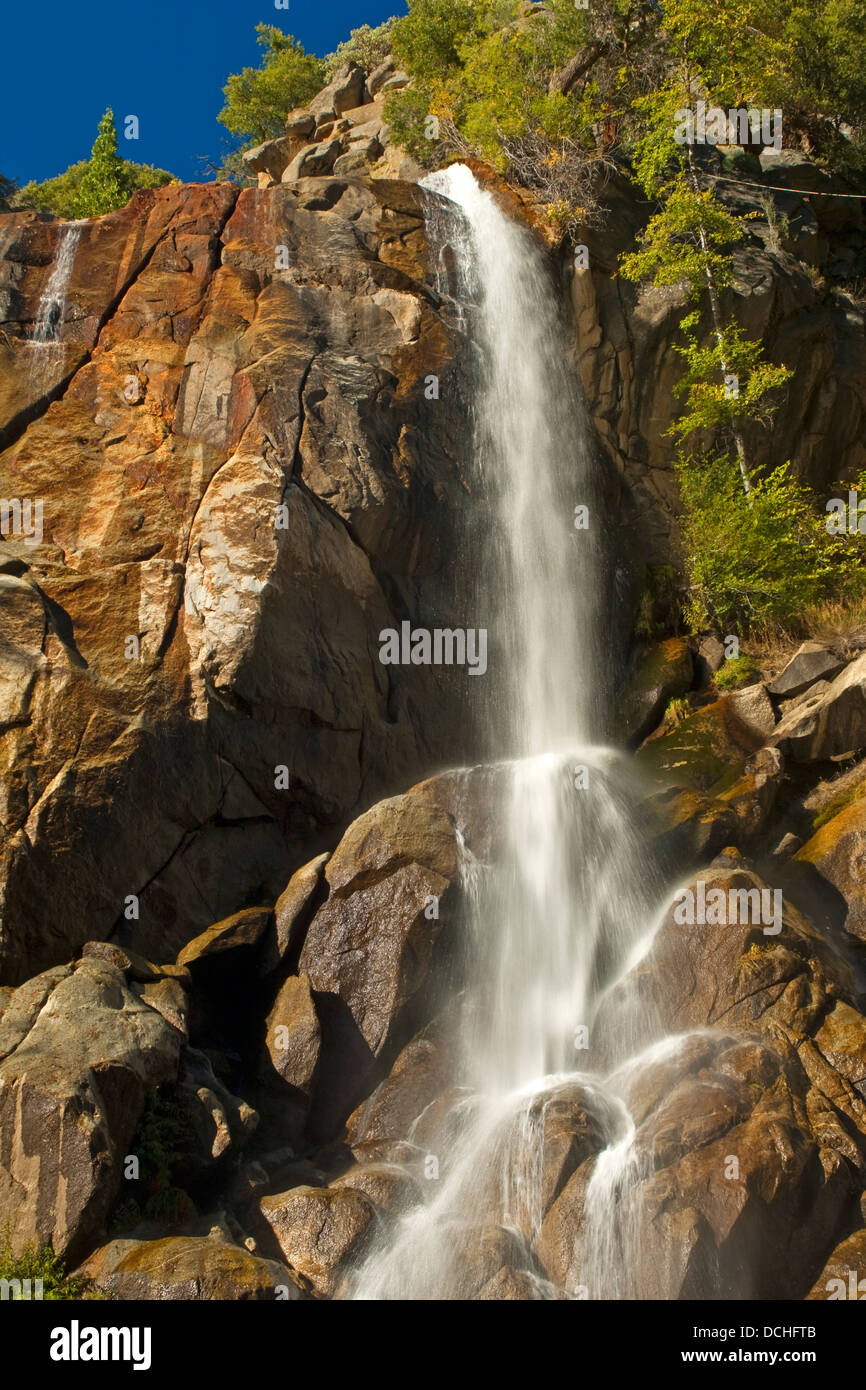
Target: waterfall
x=556, y=925
x=45, y=335
x=49, y=311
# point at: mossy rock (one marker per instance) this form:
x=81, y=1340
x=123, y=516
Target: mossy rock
x=706, y=752
x=664, y=672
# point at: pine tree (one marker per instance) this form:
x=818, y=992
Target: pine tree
x=104, y=186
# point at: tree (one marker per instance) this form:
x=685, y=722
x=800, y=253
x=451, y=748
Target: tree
x=259, y=99
x=104, y=185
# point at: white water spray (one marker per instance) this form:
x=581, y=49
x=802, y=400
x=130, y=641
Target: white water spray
x=556, y=924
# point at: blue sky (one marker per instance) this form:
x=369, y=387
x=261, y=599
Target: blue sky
x=165, y=62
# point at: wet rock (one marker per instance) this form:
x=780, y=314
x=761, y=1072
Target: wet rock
x=319, y=1230
x=707, y=751
x=389, y=1186
x=421, y=1072
x=79, y=1051
x=518, y=1285
x=369, y=949
x=810, y=663
x=187, y=1268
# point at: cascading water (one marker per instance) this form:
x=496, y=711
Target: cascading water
x=556, y=923
x=52, y=302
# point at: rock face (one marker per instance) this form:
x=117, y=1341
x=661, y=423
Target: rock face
x=242, y=485
x=78, y=1051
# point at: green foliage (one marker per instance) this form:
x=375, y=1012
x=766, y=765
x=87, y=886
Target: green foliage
x=687, y=240
x=259, y=99
x=711, y=405
x=365, y=46
x=660, y=602
x=736, y=672
x=756, y=564
x=90, y=187
x=678, y=710
x=103, y=185
x=163, y=1140
x=41, y=1263
x=428, y=41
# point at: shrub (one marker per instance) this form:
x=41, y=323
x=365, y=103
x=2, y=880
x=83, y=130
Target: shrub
x=365, y=46
x=754, y=563
x=41, y=1263
x=736, y=672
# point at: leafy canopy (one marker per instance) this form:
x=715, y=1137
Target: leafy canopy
x=259, y=99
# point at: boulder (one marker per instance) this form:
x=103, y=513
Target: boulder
x=291, y=915
x=753, y=707
x=386, y=1119
x=379, y=76
x=242, y=929
x=270, y=158
x=345, y=91
x=830, y=723
x=389, y=1186
x=369, y=949
x=810, y=663
x=300, y=124
x=844, y=1275
x=710, y=657
x=292, y=1039
x=838, y=853
x=660, y=674
x=395, y=83
x=320, y=1231
x=313, y=160
x=187, y=1268
x=707, y=751
x=79, y=1051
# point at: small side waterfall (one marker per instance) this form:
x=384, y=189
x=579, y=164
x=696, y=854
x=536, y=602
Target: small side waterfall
x=45, y=337
x=49, y=312
x=559, y=922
